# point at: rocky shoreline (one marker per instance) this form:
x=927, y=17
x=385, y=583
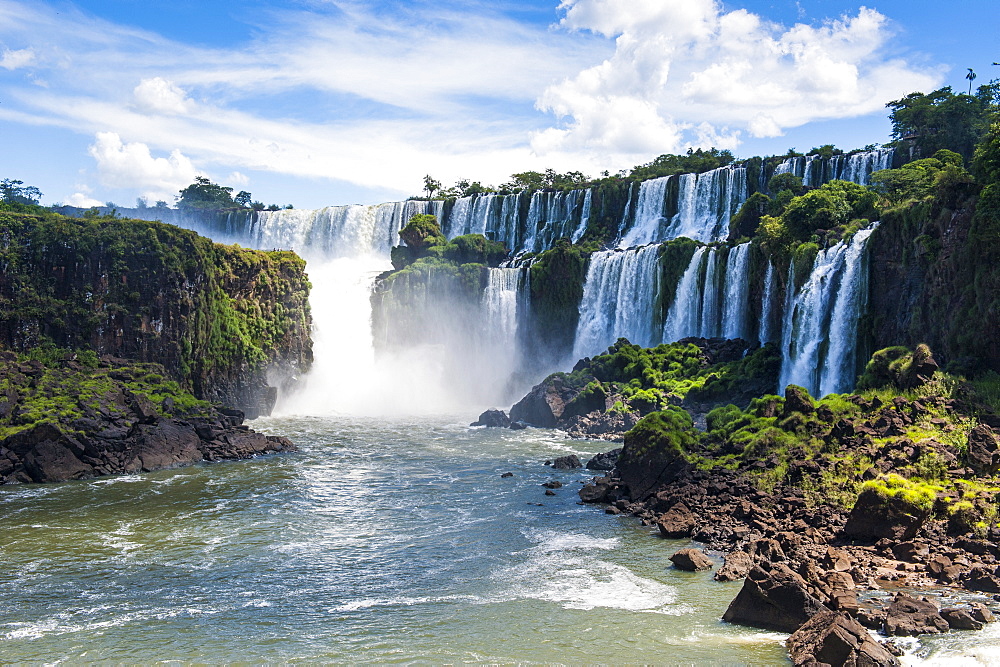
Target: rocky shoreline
x=65, y=420
x=843, y=515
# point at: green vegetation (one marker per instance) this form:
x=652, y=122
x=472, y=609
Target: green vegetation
x=71, y=386
x=943, y=120
x=912, y=493
x=150, y=291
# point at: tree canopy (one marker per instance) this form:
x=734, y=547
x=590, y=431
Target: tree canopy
x=16, y=192
x=205, y=194
x=943, y=120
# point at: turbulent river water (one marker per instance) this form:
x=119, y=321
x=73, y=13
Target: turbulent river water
x=380, y=541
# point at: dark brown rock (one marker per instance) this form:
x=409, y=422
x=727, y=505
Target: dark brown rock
x=493, y=419
x=677, y=522
x=907, y=615
x=981, y=578
x=691, y=560
x=984, y=450
x=875, y=517
x=737, y=566
x=981, y=612
x=960, y=619
x=567, y=462
x=544, y=405
x=773, y=597
x=596, y=492
x=834, y=638
x=797, y=399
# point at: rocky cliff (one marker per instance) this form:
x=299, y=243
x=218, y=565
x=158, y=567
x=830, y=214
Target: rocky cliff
x=222, y=320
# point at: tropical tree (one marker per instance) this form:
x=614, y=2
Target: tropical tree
x=204, y=194
x=16, y=192
x=431, y=185
x=971, y=76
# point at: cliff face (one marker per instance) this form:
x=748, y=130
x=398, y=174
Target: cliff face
x=933, y=280
x=221, y=319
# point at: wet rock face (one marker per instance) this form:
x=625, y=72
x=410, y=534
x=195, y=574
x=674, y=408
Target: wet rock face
x=545, y=403
x=908, y=616
x=773, y=597
x=493, y=419
x=835, y=638
x=691, y=560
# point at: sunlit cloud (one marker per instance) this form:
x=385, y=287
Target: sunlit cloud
x=11, y=59
x=690, y=74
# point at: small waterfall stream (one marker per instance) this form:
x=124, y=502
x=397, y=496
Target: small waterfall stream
x=818, y=339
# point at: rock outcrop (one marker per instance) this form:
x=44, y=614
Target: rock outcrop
x=773, y=597
x=220, y=319
x=68, y=422
x=835, y=638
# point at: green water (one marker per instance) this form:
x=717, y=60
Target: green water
x=381, y=541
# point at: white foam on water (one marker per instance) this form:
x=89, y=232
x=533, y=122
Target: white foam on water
x=400, y=601
x=563, y=569
x=954, y=649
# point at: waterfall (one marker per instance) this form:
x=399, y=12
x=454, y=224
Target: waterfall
x=734, y=309
x=493, y=215
x=706, y=202
x=818, y=340
x=338, y=231
x=552, y=216
x=682, y=318
x=502, y=302
x=649, y=224
x=857, y=167
x=618, y=298
x=709, y=327
x=767, y=305
x=584, y=217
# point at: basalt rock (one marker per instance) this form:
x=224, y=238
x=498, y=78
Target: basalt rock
x=876, y=517
x=984, y=450
x=773, y=597
x=604, y=460
x=907, y=615
x=493, y=419
x=738, y=564
x=960, y=619
x=567, y=462
x=691, y=560
x=544, y=404
x=835, y=638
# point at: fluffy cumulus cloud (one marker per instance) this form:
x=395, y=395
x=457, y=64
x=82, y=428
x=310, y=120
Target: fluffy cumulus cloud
x=131, y=165
x=689, y=74
x=157, y=95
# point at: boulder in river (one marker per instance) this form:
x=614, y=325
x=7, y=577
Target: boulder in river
x=907, y=616
x=493, y=419
x=835, y=638
x=691, y=560
x=773, y=597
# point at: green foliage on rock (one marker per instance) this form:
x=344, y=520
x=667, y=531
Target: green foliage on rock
x=944, y=120
x=921, y=179
x=694, y=161
x=668, y=431
x=214, y=315
x=421, y=232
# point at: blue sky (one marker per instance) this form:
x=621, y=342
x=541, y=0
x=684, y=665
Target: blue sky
x=320, y=102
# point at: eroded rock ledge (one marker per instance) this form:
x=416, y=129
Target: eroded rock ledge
x=70, y=420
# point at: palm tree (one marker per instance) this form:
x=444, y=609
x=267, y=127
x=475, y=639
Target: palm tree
x=971, y=76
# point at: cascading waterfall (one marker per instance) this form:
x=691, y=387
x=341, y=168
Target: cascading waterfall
x=734, y=308
x=338, y=231
x=696, y=309
x=649, y=225
x=767, y=305
x=618, y=298
x=493, y=215
x=682, y=318
x=815, y=170
x=706, y=202
x=501, y=303
x=709, y=323
x=818, y=338
x=584, y=216
x=552, y=216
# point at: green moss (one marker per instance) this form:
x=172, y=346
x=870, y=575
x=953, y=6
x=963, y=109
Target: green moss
x=918, y=495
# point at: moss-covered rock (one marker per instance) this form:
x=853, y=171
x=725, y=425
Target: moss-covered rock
x=219, y=318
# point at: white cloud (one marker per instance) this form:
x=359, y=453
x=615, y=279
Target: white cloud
x=237, y=179
x=16, y=59
x=81, y=200
x=157, y=95
x=691, y=74
x=131, y=165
